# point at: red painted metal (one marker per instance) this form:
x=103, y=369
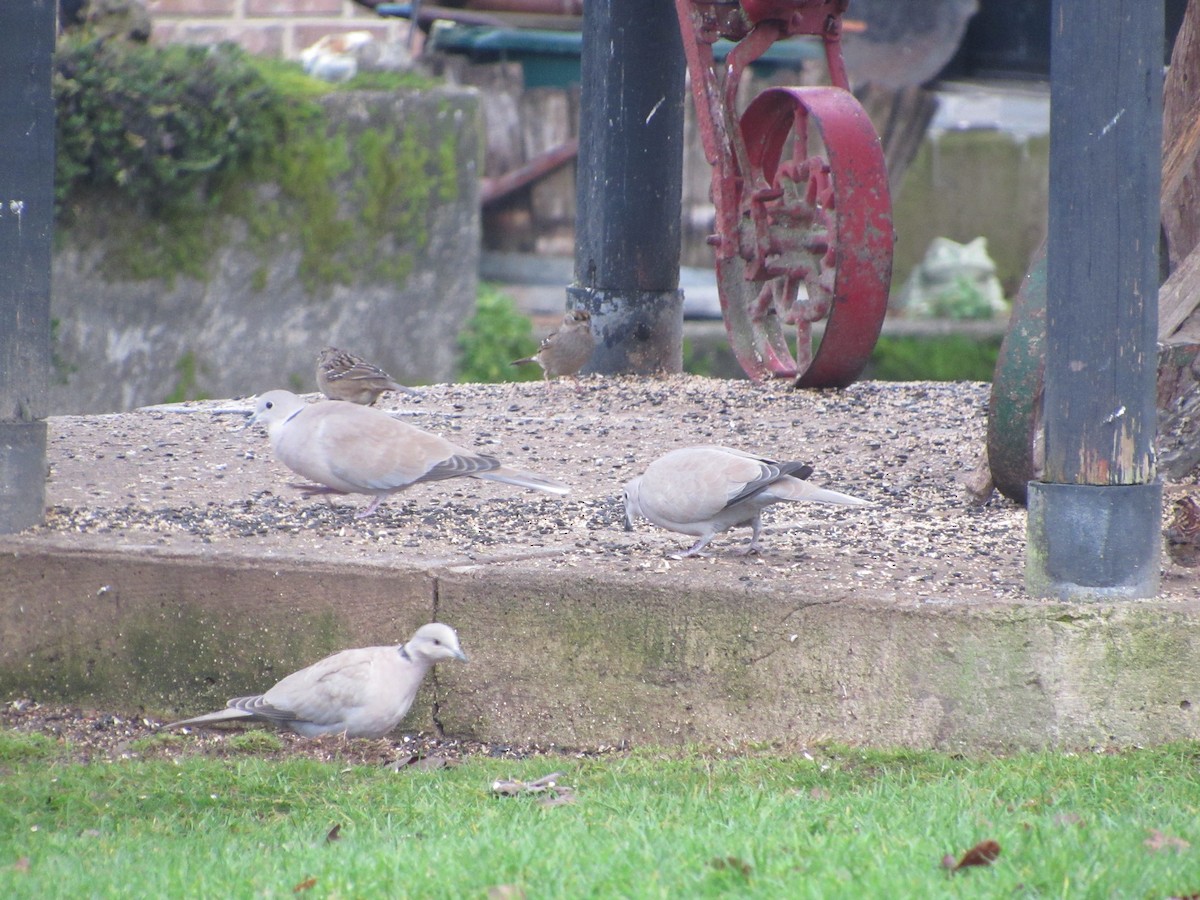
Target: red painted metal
x=795, y=206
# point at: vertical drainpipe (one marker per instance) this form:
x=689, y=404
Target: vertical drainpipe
x=1094, y=520
x=629, y=181
x=26, y=221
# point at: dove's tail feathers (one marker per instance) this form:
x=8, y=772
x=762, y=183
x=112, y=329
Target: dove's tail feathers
x=525, y=479
x=795, y=489
x=221, y=715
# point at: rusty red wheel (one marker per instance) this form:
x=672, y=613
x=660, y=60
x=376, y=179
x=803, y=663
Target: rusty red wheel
x=814, y=238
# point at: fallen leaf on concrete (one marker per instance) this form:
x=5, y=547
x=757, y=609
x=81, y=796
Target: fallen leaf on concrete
x=1158, y=842
x=982, y=854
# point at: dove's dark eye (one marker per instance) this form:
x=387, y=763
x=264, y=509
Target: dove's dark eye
x=268, y=405
x=436, y=641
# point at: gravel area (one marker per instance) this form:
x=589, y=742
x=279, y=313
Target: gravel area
x=98, y=736
x=190, y=476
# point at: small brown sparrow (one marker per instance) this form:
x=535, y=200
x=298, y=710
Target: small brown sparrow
x=344, y=376
x=566, y=351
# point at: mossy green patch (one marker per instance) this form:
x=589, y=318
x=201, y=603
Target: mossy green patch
x=355, y=199
x=185, y=389
x=16, y=746
x=173, y=657
x=255, y=741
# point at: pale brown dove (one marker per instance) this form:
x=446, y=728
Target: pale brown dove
x=344, y=376
x=350, y=449
x=358, y=693
x=703, y=491
x=567, y=350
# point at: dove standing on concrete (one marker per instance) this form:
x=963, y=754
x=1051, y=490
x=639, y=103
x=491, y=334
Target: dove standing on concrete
x=344, y=376
x=358, y=693
x=703, y=491
x=349, y=449
x=566, y=351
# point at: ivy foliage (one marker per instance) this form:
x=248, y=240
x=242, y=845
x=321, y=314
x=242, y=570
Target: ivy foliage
x=160, y=124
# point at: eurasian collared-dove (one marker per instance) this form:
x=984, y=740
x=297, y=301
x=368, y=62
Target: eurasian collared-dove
x=344, y=376
x=703, y=491
x=358, y=693
x=566, y=351
x=350, y=449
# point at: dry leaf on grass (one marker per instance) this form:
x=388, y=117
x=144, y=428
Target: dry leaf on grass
x=21, y=865
x=335, y=834
x=1157, y=842
x=555, y=794
x=419, y=762
x=506, y=892
x=306, y=885
x=982, y=854
x=740, y=866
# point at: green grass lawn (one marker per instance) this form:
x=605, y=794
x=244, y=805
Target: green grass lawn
x=832, y=822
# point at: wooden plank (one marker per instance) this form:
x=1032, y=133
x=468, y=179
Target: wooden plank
x=1179, y=295
x=1181, y=141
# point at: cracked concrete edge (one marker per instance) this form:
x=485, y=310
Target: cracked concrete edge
x=565, y=658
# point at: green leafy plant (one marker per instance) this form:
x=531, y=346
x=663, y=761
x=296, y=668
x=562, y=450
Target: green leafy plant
x=950, y=357
x=158, y=123
x=495, y=336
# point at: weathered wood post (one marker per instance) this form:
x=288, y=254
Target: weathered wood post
x=629, y=182
x=26, y=220
x=1094, y=519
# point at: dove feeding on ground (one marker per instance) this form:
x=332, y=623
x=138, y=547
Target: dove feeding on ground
x=364, y=692
x=348, y=449
x=344, y=376
x=703, y=491
x=567, y=350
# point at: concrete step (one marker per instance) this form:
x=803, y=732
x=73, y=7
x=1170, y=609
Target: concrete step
x=176, y=569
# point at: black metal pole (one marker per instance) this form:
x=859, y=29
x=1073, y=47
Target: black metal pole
x=1094, y=519
x=26, y=220
x=629, y=182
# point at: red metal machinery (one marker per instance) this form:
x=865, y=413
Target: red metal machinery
x=801, y=196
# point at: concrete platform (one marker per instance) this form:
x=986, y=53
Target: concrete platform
x=176, y=569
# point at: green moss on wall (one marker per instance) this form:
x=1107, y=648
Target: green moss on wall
x=357, y=203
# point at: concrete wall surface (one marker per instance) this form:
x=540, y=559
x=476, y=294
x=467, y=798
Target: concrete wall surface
x=586, y=660
x=359, y=252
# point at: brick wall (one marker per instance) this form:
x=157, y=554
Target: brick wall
x=266, y=27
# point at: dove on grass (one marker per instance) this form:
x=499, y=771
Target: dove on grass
x=356, y=693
